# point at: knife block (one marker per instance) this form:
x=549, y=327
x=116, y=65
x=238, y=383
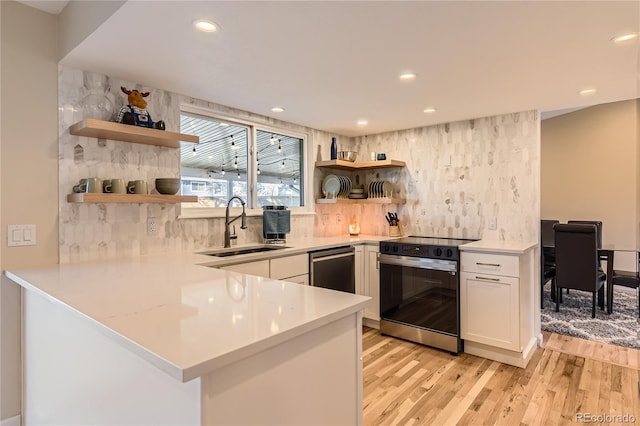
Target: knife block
x=395, y=231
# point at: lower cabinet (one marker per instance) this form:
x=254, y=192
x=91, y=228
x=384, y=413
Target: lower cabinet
x=259, y=268
x=368, y=281
x=497, y=302
x=290, y=268
x=489, y=310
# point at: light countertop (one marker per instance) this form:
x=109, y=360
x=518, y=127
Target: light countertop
x=498, y=246
x=188, y=319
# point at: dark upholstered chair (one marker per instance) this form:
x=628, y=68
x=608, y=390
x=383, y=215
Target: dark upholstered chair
x=547, y=258
x=577, y=264
x=627, y=279
x=597, y=223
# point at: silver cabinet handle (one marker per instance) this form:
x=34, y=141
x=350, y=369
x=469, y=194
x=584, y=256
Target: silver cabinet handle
x=378, y=261
x=497, y=265
x=487, y=279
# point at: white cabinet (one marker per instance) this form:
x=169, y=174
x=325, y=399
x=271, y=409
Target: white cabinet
x=489, y=310
x=370, y=283
x=496, y=304
x=258, y=267
x=290, y=268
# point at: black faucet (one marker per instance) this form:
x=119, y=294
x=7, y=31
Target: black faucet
x=227, y=232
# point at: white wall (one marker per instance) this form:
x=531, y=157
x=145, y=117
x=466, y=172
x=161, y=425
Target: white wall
x=589, y=170
x=29, y=167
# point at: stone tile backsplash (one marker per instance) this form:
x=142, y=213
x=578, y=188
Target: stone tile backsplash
x=458, y=176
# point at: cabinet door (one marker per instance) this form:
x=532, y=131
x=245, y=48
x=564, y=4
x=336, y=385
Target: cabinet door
x=299, y=279
x=489, y=310
x=259, y=268
x=360, y=274
x=372, y=283
x=290, y=266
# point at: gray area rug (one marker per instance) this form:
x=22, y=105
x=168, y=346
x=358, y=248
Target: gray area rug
x=621, y=327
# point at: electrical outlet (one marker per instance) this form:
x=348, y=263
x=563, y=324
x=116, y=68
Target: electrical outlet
x=493, y=223
x=152, y=226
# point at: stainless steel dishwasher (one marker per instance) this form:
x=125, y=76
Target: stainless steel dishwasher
x=334, y=269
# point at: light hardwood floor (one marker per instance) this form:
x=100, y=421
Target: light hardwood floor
x=406, y=383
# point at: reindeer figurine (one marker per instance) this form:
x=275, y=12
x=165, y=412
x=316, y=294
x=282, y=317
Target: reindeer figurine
x=135, y=113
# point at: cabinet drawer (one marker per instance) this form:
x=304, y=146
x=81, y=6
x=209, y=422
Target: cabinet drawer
x=486, y=263
x=290, y=266
x=259, y=268
x=299, y=279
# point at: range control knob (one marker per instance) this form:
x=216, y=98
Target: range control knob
x=385, y=248
x=395, y=249
x=438, y=251
x=449, y=253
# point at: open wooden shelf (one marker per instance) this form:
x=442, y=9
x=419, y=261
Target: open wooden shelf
x=127, y=133
x=381, y=200
x=88, y=197
x=348, y=165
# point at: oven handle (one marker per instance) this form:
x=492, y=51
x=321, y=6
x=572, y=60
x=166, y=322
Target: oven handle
x=420, y=262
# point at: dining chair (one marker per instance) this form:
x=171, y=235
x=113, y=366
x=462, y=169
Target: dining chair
x=627, y=279
x=577, y=262
x=597, y=223
x=547, y=258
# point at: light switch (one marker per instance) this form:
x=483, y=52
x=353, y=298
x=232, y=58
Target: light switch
x=21, y=235
x=16, y=236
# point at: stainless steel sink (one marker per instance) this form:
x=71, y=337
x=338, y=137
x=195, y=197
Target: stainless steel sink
x=234, y=251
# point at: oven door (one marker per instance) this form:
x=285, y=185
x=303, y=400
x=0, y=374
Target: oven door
x=420, y=292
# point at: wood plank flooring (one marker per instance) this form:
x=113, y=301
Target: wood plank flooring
x=411, y=384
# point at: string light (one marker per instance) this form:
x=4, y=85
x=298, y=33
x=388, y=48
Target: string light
x=238, y=175
x=272, y=140
x=282, y=165
x=194, y=151
x=258, y=171
x=233, y=144
x=235, y=163
x=222, y=172
x=279, y=146
x=294, y=179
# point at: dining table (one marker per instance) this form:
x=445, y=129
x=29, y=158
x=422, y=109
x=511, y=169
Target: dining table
x=606, y=253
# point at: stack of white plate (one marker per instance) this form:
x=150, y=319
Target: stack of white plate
x=380, y=189
x=335, y=186
x=357, y=194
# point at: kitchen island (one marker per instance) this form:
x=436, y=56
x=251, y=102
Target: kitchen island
x=162, y=339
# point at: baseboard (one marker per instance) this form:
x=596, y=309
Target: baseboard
x=11, y=421
x=371, y=323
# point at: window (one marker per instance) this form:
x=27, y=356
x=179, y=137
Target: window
x=262, y=166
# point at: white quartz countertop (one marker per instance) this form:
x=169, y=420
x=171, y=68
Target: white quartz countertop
x=188, y=319
x=498, y=246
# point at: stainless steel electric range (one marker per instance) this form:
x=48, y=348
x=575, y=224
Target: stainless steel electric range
x=420, y=290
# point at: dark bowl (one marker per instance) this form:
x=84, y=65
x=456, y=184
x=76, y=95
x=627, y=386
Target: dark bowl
x=168, y=186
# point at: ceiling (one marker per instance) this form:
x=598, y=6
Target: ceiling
x=330, y=64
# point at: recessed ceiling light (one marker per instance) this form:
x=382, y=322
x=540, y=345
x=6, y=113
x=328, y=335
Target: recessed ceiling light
x=362, y=122
x=429, y=110
x=205, y=25
x=587, y=92
x=277, y=109
x=624, y=38
x=407, y=76
x=224, y=125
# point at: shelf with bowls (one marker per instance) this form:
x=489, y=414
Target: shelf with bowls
x=90, y=197
x=381, y=200
x=127, y=133
x=363, y=165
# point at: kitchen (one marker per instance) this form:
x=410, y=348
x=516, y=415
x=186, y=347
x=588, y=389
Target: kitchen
x=420, y=161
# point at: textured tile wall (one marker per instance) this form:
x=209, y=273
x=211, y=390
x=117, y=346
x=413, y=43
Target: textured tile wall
x=458, y=175
x=100, y=231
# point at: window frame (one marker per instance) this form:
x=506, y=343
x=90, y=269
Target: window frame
x=187, y=212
